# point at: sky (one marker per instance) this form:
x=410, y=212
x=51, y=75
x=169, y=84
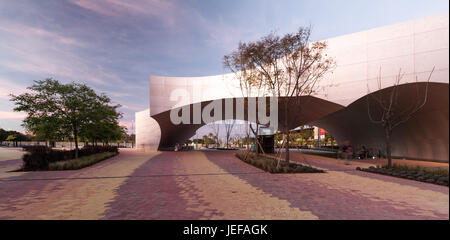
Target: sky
x=114, y=46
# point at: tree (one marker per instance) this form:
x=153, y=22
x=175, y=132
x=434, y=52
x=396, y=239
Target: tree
x=12, y=135
x=45, y=128
x=104, y=126
x=71, y=110
x=198, y=141
x=215, y=128
x=13, y=139
x=129, y=138
x=288, y=66
x=250, y=83
x=207, y=140
x=229, y=125
x=390, y=113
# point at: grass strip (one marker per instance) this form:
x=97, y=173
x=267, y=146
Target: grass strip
x=81, y=162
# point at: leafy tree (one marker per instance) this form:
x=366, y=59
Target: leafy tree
x=45, y=128
x=210, y=139
x=198, y=141
x=103, y=125
x=12, y=136
x=3, y=134
x=67, y=110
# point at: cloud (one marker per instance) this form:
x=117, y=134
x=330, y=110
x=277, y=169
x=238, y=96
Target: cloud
x=8, y=87
x=25, y=31
x=130, y=125
x=44, y=59
x=162, y=9
x=134, y=107
x=12, y=115
x=227, y=36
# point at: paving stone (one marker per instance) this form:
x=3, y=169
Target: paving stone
x=215, y=185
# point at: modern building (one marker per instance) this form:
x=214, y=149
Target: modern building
x=415, y=47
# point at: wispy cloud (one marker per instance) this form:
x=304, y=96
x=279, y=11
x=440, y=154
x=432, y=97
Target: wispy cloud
x=25, y=31
x=163, y=9
x=134, y=107
x=29, y=55
x=8, y=87
x=226, y=36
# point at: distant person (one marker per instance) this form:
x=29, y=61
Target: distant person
x=344, y=152
x=363, y=152
x=348, y=153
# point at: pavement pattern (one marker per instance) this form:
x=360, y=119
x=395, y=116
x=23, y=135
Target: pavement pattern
x=213, y=185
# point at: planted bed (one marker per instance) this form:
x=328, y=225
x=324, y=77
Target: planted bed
x=272, y=165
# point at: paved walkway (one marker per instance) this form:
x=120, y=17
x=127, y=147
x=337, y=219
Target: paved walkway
x=214, y=185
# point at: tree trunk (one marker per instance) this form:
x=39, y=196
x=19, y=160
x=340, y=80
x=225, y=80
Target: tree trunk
x=286, y=125
x=75, y=136
x=388, y=147
x=287, y=146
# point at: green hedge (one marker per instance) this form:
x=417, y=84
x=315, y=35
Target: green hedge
x=39, y=157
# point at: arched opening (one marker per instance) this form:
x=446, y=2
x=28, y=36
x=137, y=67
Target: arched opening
x=224, y=134
x=309, y=139
x=311, y=108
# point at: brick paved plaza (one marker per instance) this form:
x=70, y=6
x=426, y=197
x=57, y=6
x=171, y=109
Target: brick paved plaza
x=211, y=185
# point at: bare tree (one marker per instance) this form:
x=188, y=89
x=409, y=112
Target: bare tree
x=290, y=67
x=250, y=83
x=215, y=128
x=229, y=125
x=391, y=114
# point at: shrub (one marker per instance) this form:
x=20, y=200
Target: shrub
x=269, y=164
x=39, y=157
x=36, y=161
x=418, y=173
x=38, y=148
x=428, y=170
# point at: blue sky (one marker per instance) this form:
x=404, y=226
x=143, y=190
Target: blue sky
x=114, y=46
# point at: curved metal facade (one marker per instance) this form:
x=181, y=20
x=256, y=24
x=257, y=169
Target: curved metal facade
x=415, y=47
